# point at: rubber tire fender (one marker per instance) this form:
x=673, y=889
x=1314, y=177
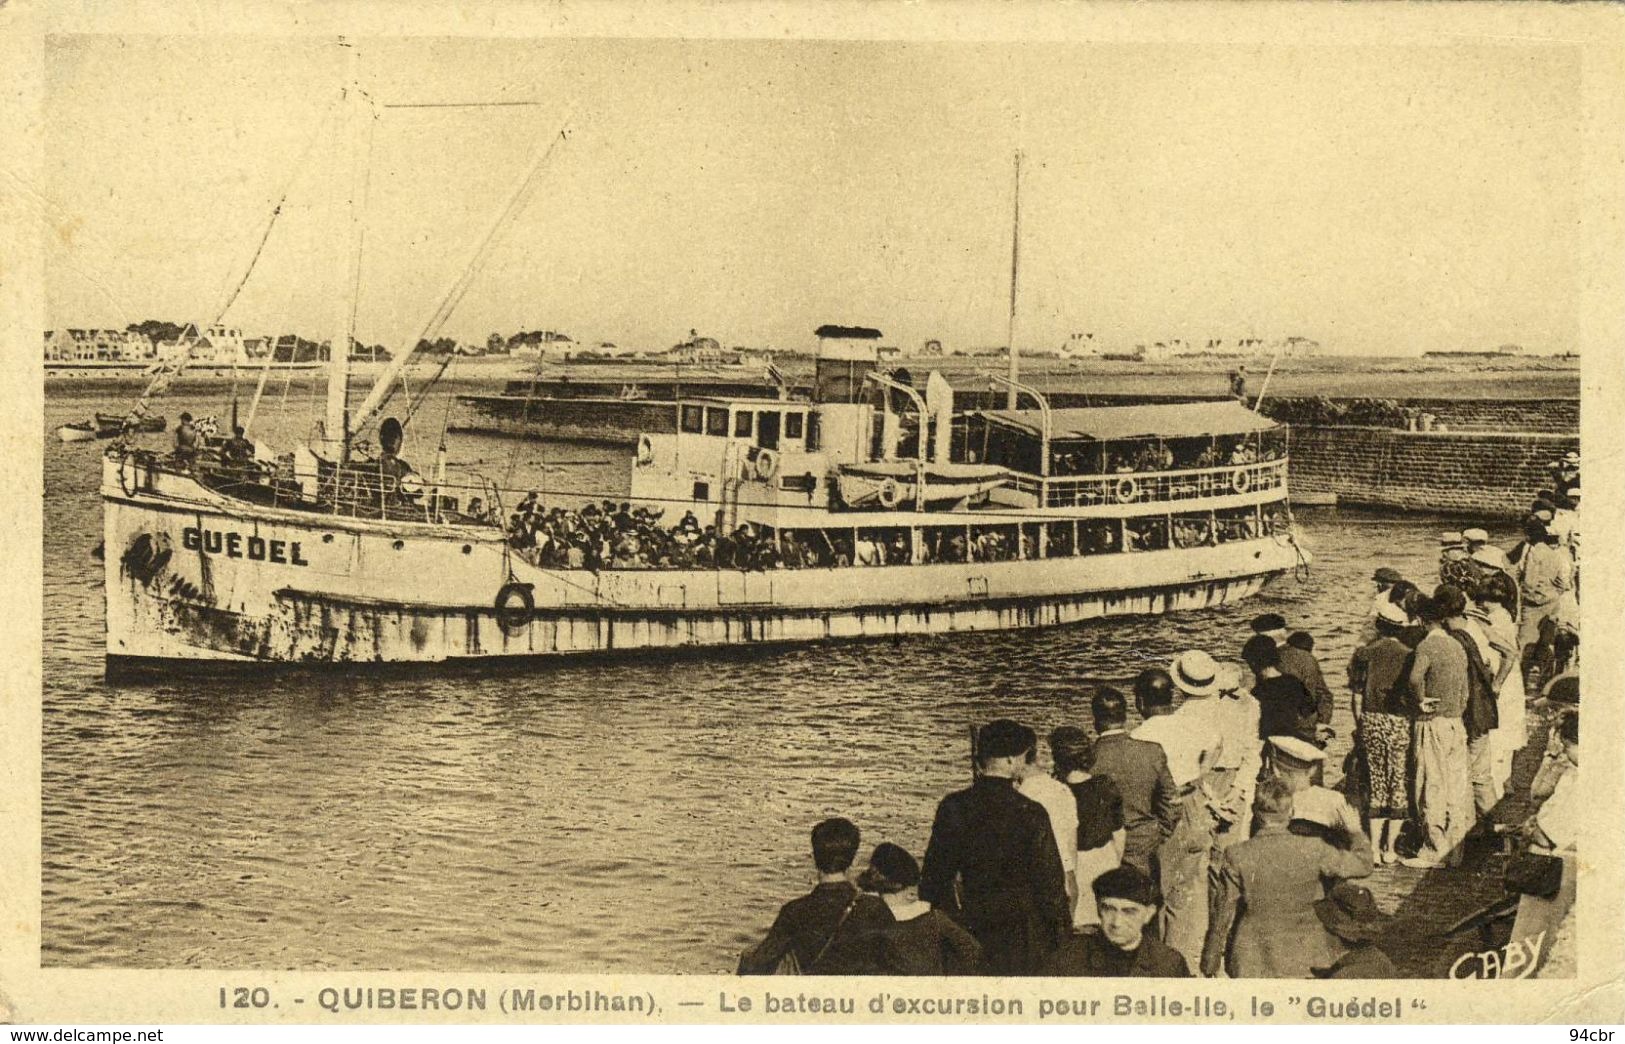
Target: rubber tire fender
x=514, y=618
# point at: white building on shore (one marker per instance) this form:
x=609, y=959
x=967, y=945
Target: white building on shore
x=75, y=345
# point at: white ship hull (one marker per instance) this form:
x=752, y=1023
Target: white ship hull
x=195, y=578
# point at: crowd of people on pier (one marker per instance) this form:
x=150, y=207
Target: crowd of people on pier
x=1204, y=840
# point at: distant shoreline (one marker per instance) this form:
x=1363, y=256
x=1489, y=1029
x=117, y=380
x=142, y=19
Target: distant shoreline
x=1333, y=377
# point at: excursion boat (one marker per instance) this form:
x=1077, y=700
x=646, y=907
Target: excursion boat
x=1094, y=513
x=900, y=516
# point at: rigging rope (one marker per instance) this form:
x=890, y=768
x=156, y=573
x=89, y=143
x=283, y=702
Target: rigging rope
x=168, y=371
x=482, y=254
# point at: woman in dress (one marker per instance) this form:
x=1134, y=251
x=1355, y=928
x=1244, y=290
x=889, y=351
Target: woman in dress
x=1377, y=680
x=1101, y=834
x=1495, y=601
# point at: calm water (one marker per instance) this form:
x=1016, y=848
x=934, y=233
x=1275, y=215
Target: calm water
x=637, y=815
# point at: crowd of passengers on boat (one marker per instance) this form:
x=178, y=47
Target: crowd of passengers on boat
x=624, y=536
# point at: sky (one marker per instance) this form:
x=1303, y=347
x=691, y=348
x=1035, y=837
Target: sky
x=1380, y=200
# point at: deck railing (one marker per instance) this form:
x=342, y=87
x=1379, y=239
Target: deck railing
x=1157, y=486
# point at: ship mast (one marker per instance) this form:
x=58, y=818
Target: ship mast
x=351, y=123
x=1015, y=263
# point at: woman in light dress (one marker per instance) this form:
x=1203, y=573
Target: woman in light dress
x=1495, y=600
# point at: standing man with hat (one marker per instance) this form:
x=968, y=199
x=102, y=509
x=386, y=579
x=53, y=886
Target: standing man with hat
x=1190, y=739
x=1230, y=784
x=1285, y=707
x=1349, y=912
x=1263, y=923
x=1298, y=663
x=1320, y=811
x=997, y=847
x=1140, y=770
x=1124, y=947
x=1456, y=565
x=1545, y=577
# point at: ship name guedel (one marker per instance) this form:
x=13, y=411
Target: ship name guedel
x=238, y=545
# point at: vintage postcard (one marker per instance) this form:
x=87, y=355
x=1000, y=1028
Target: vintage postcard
x=1011, y=513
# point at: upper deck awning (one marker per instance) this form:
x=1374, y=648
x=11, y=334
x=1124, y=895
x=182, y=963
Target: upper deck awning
x=1182, y=420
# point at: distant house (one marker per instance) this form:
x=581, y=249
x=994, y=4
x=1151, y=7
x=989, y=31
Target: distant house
x=701, y=350
x=75, y=345
x=1083, y=346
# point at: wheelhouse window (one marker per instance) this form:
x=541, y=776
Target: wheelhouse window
x=716, y=421
x=693, y=419
x=793, y=425
x=767, y=429
x=742, y=424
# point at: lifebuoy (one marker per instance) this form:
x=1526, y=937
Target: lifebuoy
x=1127, y=490
x=889, y=493
x=1240, y=480
x=767, y=464
x=646, y=451
x=515, y=605
x=135, y=473
x=411, y=485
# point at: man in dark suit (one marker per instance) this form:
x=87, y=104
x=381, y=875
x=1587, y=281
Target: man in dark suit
x=1122, y=948
x=828, y=929
x=1140, y=770
x=997, y=845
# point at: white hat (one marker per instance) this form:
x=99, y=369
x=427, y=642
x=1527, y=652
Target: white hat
x=1228, y=678
x=1571, y=457
x=1391, y=613
x=1449, y=538
x=1475, y=535
x=1492, y=556
x=1195, y=673
x=1574, y=491
x=1290, y=749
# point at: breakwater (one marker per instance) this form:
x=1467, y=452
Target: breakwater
x=1483, y=458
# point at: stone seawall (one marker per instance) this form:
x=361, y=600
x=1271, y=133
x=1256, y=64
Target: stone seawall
x=1489, y=462
x=1478, y=474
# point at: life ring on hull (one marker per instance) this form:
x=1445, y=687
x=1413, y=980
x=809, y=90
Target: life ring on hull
x=890, y=493
x=135, y=473
x=767, y=464
x=646, y=451
x=1240, y=480
x=515, y=605
x=1128, y=491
